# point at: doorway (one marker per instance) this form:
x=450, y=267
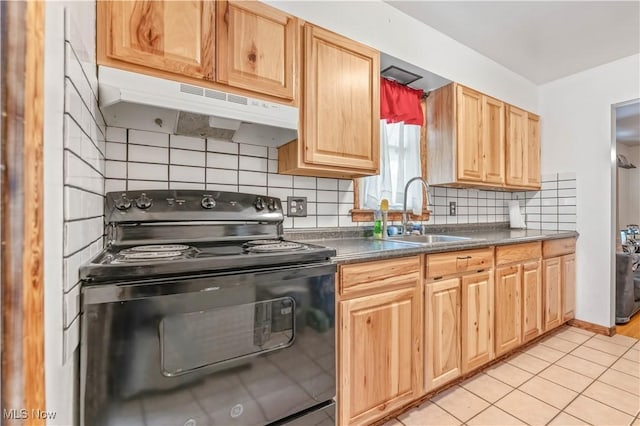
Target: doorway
x=626, y=211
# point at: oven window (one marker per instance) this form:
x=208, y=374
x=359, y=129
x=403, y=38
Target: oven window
x=201, y=339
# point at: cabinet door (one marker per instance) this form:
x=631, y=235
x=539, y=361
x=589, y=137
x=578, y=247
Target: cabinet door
x=516, y=145
x=442, y=332
x=380, y=359
x=469, y=134
x=532, y=155
x=507, y=308
x=552, y=292
x=493, y=140
x=531, y=300
x=172, y=36
x=256, y=48
x=341, y=101
x=477, y=320
x=569, y=286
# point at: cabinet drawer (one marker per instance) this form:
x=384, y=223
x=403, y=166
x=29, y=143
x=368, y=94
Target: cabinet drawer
x=379, y=274
x=518, y=253
x=553, y=248
x=456, y=262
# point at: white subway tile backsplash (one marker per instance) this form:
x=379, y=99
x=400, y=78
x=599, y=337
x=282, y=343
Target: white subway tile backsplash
x=327, y=184
x=566, y=193
x=79, y=204
x=253, y=150
x=111, y=185
x=148, y=154
x=253, y=163
x=305, y=222
x=187, y=158
x=222, y=161
x=273, y=153
x=186, y=174
x=222, y=176
x=116, y=134
x=252, y=178
x=186, y=185
x=329, y=209
x=186, y=142
x=81, y=175
x=272, y=166
x=567, y=176
x=142, y=137
x=70, y=339
x=309, y=193
x=327, y=221
x=258, y=190
x=327, y=196
x=71, y=305
x=304, y=182
x=283, y=181
x=145, y=171
x=345, y=197
x=221, y=146
x=312, y=208
x=80, y=233
x=281, y=193
x=116, y=151
x=220, y=187
x=139, y=185
x=345, y=209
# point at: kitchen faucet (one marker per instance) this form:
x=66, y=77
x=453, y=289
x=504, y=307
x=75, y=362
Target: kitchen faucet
x=404, y=205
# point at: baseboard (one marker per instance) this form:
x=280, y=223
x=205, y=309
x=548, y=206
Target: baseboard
x=596, y=328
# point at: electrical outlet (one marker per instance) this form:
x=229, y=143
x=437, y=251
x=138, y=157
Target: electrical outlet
x=452, y=208
x=297, y=206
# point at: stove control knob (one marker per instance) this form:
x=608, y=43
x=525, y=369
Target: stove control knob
x=271, y=204
x=208, y=202
x=259, y=204
x=143, y=202
x=123, y=203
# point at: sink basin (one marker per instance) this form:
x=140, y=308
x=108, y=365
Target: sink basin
x=428, y=239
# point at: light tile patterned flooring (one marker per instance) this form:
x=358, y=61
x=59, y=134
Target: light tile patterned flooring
x=573, y=377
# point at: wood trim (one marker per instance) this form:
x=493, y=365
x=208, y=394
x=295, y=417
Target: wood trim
x=595, y=328
x=365, y=215
x=22, y=186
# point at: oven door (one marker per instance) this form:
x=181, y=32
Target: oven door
x=232, y=349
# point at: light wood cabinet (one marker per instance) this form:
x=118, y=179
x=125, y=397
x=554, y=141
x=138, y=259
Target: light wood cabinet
x=442, y=333
x=523, y=148
x=469, y=134
x=172, y=36
x=559, y=281
x=552, y=275
x=380, y=365
x=256, y=48
x=568, y=286
x=531, y=300
x=477, y=320
x=475, y=140
x=340, y=117
x=508, y=304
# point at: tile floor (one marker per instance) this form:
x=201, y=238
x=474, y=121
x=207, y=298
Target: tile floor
x=573, y=377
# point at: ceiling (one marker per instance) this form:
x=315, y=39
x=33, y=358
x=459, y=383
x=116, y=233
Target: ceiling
x=540, y=40
x=628, y=124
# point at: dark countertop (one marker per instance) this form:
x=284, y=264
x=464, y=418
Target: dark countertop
x=357, y=249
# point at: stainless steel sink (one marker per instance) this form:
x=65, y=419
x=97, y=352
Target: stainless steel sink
x=428, y=239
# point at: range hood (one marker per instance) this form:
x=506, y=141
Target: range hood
x=138, y=101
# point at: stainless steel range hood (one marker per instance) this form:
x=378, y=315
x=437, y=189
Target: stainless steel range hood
x=138, y=101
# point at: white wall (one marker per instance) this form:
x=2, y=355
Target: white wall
x=385, y=28
x=576, y=135
x=629, y=187
x=74, y=187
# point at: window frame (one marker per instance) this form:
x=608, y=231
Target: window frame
x=367, y=215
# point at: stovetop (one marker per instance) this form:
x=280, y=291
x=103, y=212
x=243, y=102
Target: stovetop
x=117, y=263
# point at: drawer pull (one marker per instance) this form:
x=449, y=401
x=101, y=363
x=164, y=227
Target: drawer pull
x=464, y=257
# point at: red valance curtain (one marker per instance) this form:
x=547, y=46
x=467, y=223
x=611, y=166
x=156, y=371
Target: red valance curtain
x=400, y=103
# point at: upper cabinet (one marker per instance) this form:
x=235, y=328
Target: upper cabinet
x=256, y=48
x=523, y=148
x=476, y=140
x=245, y=47
x=340, y=109
x=176, y=37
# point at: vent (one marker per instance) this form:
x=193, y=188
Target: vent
x=399, y=75
x=213, y=94
x=238, y=99
x=192, y=90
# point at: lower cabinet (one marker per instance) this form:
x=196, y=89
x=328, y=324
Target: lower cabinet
x=552, y=278
x=477, y=320
x=569, y=286
x=531, y=300
x=380, y=355
x=508, y=308
x=442, y=332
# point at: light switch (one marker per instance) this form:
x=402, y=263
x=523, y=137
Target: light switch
x=297, y=206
